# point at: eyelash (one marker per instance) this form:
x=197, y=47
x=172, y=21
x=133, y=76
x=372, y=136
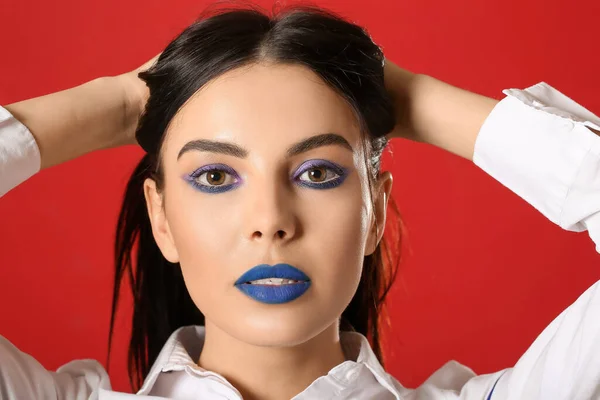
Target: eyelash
x=307, y=166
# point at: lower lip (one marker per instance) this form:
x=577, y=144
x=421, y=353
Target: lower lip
x=274, y=294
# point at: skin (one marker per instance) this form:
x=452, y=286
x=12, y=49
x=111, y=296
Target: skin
x=267, y=218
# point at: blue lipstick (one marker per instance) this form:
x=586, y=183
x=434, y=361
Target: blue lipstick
x=273, y=293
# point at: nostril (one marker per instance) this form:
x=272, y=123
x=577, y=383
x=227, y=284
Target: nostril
x=279, y=234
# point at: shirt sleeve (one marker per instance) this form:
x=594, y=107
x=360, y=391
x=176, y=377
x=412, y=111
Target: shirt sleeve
x=19, y=153
x=22, y=377
x=563, y=363
x=537, y=142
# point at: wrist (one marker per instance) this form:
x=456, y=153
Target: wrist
x=134, y=95
x=401, y=85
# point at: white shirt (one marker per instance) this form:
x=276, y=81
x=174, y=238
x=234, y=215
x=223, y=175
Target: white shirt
x=536, y=142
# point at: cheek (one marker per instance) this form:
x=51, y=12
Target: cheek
x=339, y=228
x=198, y=226
x=202, y=232
x=336, y=236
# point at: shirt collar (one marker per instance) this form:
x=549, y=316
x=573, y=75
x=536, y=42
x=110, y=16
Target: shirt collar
x=185, y=344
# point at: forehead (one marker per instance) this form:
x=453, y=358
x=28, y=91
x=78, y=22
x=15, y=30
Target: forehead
x=268, y=105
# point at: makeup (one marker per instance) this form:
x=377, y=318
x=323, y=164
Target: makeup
x=199, y=179
x=276, y=284
x=334, y=174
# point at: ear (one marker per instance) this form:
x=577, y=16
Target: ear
x=160, y=226
x=382, y=194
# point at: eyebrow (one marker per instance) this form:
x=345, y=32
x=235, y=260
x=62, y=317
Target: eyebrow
x=232, y=149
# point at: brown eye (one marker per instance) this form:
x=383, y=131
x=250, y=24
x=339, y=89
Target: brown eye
x=215, y=177
x=317, y=174
x=320, y=174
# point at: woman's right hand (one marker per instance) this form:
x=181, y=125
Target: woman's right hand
x=135, y=94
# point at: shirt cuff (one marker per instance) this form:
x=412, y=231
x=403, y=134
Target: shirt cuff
x=19, y=152
x=536, y=142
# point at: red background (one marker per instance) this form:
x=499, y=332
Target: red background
x=483, y=272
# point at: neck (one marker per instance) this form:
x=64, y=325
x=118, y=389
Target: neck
x=270, y=373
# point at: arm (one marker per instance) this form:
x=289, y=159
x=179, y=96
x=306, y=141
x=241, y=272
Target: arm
x=454, y=125
x=42, y=132
x=73, y=122
x=45, y=131
x=99, y=114
x=539, y=143
x=22, y=377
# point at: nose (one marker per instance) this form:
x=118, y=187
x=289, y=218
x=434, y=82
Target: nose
x=270, y=214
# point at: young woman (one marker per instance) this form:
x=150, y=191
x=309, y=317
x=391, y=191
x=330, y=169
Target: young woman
x=252, y=228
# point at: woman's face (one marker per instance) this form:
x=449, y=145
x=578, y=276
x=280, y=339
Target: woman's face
x=268, y=197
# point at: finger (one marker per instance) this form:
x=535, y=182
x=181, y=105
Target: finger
x=148, y=64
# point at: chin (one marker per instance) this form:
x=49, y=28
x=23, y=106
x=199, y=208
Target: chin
x=280, y=328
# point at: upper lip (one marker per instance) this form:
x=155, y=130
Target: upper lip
x=265, y=271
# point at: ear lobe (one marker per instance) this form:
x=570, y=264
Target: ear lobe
x=158, y=220
x=382, y=196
